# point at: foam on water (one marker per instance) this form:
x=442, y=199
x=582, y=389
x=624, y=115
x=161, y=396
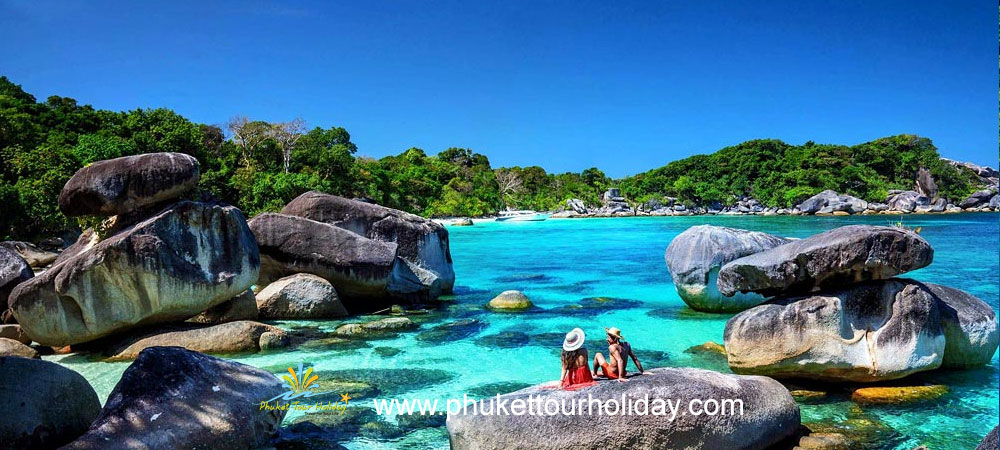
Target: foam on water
x=614, y=273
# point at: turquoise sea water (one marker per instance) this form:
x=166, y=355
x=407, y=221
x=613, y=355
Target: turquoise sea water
x=592, y=273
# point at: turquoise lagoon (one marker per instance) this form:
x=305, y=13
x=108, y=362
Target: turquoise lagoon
x=592, y=273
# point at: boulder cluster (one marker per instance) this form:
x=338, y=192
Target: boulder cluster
x=369, y=253
x=165, y=268
x=837, y=312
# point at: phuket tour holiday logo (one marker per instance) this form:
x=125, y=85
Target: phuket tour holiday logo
x=301, y=385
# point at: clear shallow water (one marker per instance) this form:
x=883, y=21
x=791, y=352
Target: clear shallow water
x=559, y=263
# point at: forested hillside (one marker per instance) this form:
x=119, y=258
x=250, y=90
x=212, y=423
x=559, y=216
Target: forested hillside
x=259, y=166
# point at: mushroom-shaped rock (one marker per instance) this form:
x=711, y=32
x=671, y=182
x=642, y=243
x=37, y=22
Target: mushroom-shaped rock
x=844, y=255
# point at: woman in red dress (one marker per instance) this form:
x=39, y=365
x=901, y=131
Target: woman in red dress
x=575, y=371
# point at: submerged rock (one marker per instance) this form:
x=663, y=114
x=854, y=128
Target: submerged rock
x=710, y=348
x=769, y=415
x=241, y=307
x=452, y=331
x=422, y=243
x=242, y=336
x=873, y=331
x=300, y=296
x=123, y=185
x=391, y=381
x=844, y=255
x=510, y=301
x=504, y=339
x=177, y=263
x=695, y=256
x=898, y=394
x=359, y=268
x=376, y=327
x=175, y=398
x=46, y=405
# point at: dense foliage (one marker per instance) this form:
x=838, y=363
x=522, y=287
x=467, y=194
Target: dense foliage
x=255, y=165
x=260, y=166
x=782, y=175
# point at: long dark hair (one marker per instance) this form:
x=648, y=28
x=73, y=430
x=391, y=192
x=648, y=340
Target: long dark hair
x=569, y=358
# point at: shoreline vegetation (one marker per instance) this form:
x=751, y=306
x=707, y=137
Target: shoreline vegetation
x=260, y=166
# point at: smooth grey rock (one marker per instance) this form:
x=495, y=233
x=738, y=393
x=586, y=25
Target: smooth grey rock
x=172, y=398
x=695, y=256
x=993, y=202
x=359, y=268
x=969, y=325
x=300, y=296
x=46, y=405
x=242, y=336
x=422, y=243
x=123, y=185
x=14, y=270
x=173, y=265
x=34, y=256
x=879, y=330
x=769, y=415
x=376, y=327
x=843, y=255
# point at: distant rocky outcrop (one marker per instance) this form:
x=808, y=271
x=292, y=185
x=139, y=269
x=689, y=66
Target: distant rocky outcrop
x=47, y=405
x=770, y=415
x=242, y=336
x=170, y=397
x=839, y=315
x=695, y=256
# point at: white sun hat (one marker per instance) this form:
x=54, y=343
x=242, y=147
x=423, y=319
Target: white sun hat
x=574, y=340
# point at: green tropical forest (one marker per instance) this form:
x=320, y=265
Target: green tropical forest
x=259, y=166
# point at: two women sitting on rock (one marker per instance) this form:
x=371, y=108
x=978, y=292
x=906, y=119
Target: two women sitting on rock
x=575, y=371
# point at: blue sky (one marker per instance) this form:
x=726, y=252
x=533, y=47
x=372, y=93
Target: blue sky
x=564, y=85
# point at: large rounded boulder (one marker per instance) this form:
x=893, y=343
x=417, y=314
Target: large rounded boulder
x=422, y=243
x=969, y=325
x=834, y=258
x=879, y=330
x=359, y=268
x=46, y=405
x=168, y=267
x=123, y=185
x=695, y=256
x=172, y=398
x=765, y=414
x=300, y=296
